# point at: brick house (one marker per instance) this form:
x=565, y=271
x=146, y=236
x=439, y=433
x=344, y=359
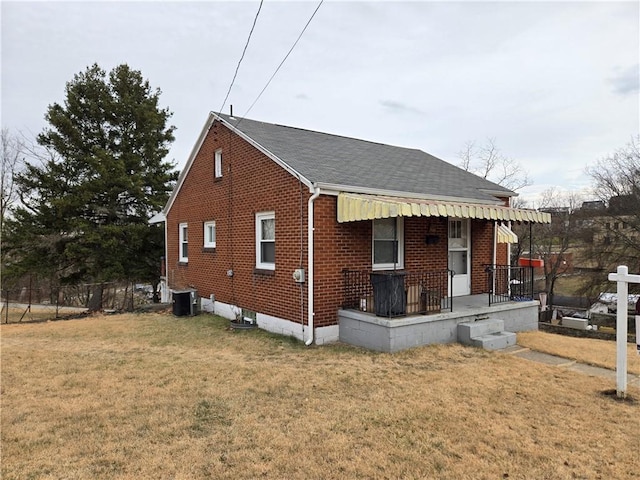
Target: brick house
x=295, y=226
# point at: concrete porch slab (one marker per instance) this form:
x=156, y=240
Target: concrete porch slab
x=394, y=334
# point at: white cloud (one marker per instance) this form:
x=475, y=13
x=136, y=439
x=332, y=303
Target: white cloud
x=626, y=81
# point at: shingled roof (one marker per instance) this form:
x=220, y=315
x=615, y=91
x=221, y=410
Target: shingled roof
x=346, y=165
x=351, y=164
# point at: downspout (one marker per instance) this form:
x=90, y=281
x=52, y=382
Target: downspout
x=310, y=312
x=165, y=292
x=161, y=217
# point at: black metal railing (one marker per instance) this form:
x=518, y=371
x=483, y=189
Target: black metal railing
x=508, y=284
x=396, y=294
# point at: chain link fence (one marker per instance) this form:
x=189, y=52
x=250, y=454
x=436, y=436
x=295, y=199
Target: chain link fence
x=40, y=304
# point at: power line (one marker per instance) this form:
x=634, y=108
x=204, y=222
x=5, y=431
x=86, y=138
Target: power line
x=242, y=56
x=283, y=60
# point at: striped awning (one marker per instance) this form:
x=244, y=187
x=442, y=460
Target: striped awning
x=505, y=235
x=353, y=207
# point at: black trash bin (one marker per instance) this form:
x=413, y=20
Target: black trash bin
x=389, y=297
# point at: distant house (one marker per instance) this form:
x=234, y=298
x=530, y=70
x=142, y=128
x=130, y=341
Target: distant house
x=614, y=226
x=593, y=205
x=314, y=235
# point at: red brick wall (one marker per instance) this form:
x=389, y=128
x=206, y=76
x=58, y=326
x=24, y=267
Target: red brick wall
x=253, y=183
x=336, y=246
x=481, y=254
x=352, y=243
x=418, y=256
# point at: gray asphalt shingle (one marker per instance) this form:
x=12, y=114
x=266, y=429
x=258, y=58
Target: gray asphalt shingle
x=333, y=159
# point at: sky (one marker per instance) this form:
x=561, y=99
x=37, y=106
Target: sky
x=554, y=84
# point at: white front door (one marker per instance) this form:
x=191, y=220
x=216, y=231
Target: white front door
x=459, y=258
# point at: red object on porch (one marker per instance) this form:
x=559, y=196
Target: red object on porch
x=533, y=262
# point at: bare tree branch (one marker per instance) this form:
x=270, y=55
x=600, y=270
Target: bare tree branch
x=619, y=173
x=466, y=155
x=12, y=162
x=616, y=181
x=490, y=163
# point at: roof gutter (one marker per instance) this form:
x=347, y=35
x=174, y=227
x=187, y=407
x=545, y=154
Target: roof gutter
x=310, y=313
x=499, y=193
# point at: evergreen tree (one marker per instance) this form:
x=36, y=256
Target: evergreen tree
x=85, y=207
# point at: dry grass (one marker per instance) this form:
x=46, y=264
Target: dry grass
x=36, y=313
x=601, y=353
x=16, y=315
x=153, y=396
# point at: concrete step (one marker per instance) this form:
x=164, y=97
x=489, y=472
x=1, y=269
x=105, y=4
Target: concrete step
x=494, y=341
x=469, y=330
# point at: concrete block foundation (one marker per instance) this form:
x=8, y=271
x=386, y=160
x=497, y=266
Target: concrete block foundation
x=394, y=334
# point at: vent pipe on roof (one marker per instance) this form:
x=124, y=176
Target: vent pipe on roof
x=231, y=111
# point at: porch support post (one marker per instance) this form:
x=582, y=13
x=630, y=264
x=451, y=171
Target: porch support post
x=495, y=259
x=509, y=261
x=396, y=247
x=531, y=257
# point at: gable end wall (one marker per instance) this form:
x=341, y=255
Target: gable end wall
x=251, y=183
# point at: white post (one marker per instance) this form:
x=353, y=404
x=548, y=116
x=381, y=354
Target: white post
x=623, y=279
x=638, y=336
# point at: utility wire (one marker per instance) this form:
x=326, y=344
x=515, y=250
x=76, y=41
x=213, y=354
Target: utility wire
x=282, y=62
x=242, y=56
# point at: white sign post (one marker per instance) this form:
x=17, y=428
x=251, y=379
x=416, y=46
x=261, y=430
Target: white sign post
x=623, y=279
x=637, y=331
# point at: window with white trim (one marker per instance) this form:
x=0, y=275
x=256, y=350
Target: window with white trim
x=183, y=230
x=210, y=234
x=388, y=243
x=217, y=164
x=266, y=240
